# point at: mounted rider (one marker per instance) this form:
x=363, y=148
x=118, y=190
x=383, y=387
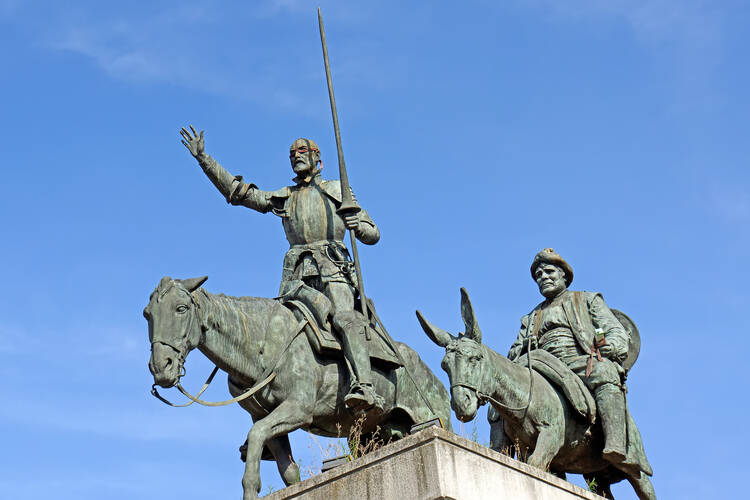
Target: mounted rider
x=579, y=329
x=317, y=268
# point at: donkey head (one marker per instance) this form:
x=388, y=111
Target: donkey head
x=173, y=327
x=463, y=360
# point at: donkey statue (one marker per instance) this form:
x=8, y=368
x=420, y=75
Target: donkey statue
x=257, y=341
x=537, y=414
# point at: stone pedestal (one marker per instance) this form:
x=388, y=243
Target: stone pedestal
x=434, y=464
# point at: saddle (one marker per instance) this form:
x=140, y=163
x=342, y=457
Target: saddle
x=558, y=374
x=325, y=343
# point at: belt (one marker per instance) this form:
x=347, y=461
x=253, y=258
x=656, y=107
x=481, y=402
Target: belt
x=315, y=244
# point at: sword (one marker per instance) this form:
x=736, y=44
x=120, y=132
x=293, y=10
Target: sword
x=348, y=205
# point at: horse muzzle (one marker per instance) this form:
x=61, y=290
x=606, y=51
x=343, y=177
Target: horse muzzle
x=164, y=365
x=464, y=402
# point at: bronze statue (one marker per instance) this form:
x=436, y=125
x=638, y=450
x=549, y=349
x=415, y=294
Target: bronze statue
x=579, y=329
x=317, y=268
x=570, y=346
x=276, y=375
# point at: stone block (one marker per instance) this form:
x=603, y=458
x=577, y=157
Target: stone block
x=434, y=464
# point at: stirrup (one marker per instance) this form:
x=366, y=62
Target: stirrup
x=362, y=397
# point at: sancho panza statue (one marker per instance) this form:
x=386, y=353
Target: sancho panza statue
x=579, y=329
x=317, y=265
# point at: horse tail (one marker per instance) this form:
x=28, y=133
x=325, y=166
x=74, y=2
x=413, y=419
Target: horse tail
x=419, y=392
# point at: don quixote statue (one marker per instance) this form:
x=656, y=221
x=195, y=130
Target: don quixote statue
x=316, y=357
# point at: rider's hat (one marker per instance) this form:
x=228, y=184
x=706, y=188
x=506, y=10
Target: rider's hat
x=549, y=256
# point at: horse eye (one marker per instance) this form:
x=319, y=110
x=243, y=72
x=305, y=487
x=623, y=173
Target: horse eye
x=182, y=308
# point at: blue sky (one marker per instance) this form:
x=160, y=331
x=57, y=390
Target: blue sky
x=475, y=135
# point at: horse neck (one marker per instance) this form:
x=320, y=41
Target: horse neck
x=231, y=327
x=506, y=382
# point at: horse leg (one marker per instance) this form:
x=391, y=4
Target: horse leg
x=282, y=452
x=285, y=418
x=549, y=441
x=642, y=486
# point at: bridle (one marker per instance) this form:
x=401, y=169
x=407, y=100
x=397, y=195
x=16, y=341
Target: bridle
x=267, y=376
x=483, y=398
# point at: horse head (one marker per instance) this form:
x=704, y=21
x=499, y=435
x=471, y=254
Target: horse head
x=464, y=360
x=173, y=327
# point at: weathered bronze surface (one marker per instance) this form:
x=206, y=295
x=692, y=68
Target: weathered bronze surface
x=251, y=338
x=315, y=380
x=317, y=269
x=569, y=411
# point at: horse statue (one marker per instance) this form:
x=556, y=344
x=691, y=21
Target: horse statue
x=537, y=414
x=257, y=341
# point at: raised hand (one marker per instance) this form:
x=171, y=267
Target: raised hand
x=194, y=142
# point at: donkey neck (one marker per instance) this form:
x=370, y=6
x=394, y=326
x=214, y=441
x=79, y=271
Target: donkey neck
x=506, y=382
x=232, y=333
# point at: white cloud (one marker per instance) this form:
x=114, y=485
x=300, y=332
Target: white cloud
x=691, y=22
x=165, y=47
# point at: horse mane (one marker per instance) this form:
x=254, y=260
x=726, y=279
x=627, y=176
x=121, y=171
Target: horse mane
x=243, y=301
x=232, y=312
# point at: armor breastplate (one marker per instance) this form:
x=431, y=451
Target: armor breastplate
x=311, y=217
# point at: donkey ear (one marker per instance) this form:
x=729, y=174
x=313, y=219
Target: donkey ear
x=438, y=335
x=470, y=319
x=192, y=284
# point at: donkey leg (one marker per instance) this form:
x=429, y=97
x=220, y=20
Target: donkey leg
x=548, y=443
x=499, y=441
x=642, y=486
x=288, y=416
x=282, y=452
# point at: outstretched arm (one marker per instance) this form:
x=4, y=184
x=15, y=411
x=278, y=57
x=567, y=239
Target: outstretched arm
x=232, y=187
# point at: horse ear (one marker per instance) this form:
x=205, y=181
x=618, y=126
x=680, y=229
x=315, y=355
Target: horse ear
x=438, y=335
x=470, y=319
x=192, y=284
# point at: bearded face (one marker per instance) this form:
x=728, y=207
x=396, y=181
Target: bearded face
x=304, y=157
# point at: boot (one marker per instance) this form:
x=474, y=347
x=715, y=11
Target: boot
x=611, y=404
x=351, y=327
x=362, y=397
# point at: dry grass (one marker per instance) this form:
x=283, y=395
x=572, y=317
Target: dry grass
x=356, y=445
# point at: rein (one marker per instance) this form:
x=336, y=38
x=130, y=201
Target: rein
x=483, y=398
x=268, y=375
